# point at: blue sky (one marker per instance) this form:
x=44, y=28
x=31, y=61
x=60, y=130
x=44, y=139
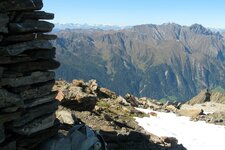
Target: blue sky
x=210, y=13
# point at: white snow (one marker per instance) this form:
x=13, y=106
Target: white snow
x=193, y=135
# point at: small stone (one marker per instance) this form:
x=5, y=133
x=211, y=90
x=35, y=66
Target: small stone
x=37, y=15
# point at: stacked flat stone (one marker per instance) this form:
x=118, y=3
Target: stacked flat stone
x=27, y=103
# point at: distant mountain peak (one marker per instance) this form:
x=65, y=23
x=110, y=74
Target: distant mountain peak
x=199, y=29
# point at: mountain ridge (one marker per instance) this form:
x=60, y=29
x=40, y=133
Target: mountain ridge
x=157, y=61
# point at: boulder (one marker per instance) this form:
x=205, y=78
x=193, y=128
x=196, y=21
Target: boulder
x=171, y=108
x=65, y=116
x=30, y=26
x=19, y=5
x=34, y=77
x=193, y=113
x=106, y=93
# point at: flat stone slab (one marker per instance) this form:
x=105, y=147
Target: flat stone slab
x=36, y=125
x=20, y=5
x=6, y=117
x=35, y=15
x=35, y=112
x=13, y=60
x=31, y=26
x=4, y=20
x=33, y=78
x=1, y=38
x=42, y=54
x=2, y=133
x=9, y=99
x=39, y=101
x=29, y=37
x=39, y=65
x=37, y=91
x=1, y=71
x=16, y=49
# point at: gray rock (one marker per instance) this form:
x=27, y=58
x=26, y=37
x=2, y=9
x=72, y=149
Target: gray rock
x=6, y=117
x=32, y=92
x=9, y=99
x=2, y=133
x=16, y=49
x=35, y=77
x=35, y=112
x=1, y=71
x=12, y=60
x=36, y=125
x=64, y=116
x=39, y=101
x=1, y=38
x=42, y=54
x=29, y=37
x=40, y=65
x=19, y=5
x=31, y=26
x=37, y=15
x=9, y=146
x=4, y=20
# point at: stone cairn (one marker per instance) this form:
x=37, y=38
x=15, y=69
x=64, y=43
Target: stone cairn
x=27, y=103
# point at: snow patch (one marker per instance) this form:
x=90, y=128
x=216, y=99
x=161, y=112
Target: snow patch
x=193, y=135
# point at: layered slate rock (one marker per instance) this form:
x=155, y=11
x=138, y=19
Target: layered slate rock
x=27, y=102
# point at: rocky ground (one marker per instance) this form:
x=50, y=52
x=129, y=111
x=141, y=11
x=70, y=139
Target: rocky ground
x=108, y=113
x=113, y=116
